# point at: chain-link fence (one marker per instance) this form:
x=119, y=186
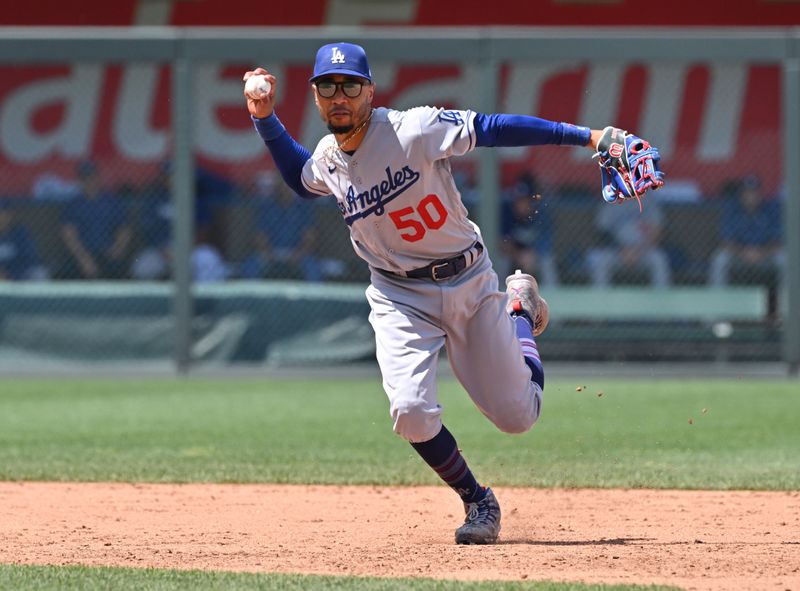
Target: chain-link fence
x=92, y=207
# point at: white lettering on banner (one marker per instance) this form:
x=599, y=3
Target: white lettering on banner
x=348, y=12
x=386, y=72
x=462, y=92
x=78, y=91
x=132, y=134
x=662, y=103
x=601, y=98
x=312, y=127
x=524, y=93
x=662, y=106
x=210, y=92
x=723, y=112
x=131, y=130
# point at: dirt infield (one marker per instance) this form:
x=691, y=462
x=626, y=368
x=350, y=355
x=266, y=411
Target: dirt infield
x=691, y=539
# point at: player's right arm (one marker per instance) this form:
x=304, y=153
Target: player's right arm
x=290, y=157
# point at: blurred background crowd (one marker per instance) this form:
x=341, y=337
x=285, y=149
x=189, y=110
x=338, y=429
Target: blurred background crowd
x=82, y=228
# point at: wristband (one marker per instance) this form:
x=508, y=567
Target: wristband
x=575, y=135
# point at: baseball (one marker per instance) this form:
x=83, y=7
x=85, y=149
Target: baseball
x=257, y=87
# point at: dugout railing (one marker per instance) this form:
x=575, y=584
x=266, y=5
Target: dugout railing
x=484, y=52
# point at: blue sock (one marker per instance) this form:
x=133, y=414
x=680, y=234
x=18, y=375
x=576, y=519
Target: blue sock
x=442, y=454
x=529, y=348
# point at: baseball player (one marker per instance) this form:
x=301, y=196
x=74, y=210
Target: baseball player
x=431, y=279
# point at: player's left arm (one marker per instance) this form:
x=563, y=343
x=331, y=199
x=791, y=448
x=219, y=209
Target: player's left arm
x=629, y=165
x=501, y=130
x=446, y=133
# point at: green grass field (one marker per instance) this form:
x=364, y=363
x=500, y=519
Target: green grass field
x=96, y=579
x=742, y=435
x=712, y=434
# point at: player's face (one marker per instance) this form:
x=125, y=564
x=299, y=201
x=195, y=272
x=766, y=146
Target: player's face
x=344, y=102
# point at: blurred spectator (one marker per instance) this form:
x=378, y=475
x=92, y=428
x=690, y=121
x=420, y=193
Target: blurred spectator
x=207, y=264
x=212, y=193
x=630, y=242
x=18, y=257
x=750, y=235
x=284, y=244
x=680, y=191
x=51, y=187
x=156, y=219
x=95, y=231
x=527, y=233
x=156, y=215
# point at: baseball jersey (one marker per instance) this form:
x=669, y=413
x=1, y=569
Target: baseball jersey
x=396, y=192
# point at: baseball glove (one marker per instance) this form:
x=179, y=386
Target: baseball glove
x=629, y=166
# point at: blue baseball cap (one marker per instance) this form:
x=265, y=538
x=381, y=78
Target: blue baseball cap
x=341, y=58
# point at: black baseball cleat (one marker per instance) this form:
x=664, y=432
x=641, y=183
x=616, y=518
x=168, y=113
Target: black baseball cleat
x=482, y=523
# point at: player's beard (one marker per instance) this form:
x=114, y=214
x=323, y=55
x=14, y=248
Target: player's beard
x=340, y=129
x=343, y=129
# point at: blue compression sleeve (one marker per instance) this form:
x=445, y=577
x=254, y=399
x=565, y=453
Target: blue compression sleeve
x=289, y=156
x=524, y=130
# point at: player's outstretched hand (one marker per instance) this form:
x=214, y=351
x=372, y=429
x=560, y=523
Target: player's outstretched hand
x=263, y=106
x=629, y=166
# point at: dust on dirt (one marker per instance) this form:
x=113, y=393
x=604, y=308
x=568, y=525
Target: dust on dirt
x=710, y=540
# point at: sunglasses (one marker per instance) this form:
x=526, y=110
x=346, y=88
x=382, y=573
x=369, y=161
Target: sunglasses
x=350, y=88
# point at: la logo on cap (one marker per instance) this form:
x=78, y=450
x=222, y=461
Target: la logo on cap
x=337, y=57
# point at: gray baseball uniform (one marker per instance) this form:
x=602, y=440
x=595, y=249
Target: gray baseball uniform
x=432, y=283
x=404, y=211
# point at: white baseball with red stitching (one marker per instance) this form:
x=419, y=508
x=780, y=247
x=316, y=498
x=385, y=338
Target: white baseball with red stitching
x=257, y=87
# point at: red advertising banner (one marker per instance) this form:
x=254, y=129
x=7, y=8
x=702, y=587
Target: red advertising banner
x=591, y=13
x=712, y=122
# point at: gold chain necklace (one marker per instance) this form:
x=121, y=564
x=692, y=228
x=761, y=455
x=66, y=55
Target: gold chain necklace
x=357, y=129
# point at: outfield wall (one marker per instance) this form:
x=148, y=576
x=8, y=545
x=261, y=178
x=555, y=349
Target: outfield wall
x=286, y=324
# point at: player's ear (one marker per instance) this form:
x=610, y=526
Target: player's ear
x=370, y=92
x=314, y=94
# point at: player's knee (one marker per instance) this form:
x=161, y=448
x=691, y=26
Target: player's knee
x=517, y=424
x=523, y=416
x=416, y=421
